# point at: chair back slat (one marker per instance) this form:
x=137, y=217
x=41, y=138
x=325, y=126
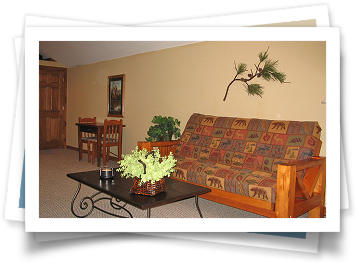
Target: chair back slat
x=87, y=121
x=111, y=132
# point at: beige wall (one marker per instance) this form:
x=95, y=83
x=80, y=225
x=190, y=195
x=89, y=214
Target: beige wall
x=193, y=78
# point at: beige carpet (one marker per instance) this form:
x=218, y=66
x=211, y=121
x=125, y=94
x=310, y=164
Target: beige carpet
x=57, y=191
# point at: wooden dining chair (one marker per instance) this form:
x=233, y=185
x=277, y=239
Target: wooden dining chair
x=87, y=137
x=112, y=136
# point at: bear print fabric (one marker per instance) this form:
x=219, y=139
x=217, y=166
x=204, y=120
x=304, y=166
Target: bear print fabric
x=241, y=155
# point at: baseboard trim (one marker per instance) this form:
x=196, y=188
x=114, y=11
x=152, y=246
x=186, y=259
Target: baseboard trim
x=72, y=148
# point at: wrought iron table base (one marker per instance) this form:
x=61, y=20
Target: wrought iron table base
x=198, y=208
x=84, y=205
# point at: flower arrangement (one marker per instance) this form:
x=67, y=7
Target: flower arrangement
x=147, y=166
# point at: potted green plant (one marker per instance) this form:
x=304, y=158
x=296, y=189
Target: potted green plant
x=164, y=129
x=148, y=170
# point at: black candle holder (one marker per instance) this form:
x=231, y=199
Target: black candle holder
x=106, y=173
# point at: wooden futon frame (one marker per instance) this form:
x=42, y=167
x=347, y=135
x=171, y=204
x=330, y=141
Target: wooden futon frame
x=294, y=196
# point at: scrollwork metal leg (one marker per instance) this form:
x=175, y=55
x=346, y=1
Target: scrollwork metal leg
x=88, y=201
x=198, y=208
x=83, y=204
x=118, y=207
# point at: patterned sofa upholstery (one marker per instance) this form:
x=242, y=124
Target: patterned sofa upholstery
x=240, y=155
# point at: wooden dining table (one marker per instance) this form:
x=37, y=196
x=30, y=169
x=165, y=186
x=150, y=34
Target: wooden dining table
x=95, y=128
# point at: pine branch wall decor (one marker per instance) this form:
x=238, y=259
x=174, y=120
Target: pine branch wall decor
x=268, y=72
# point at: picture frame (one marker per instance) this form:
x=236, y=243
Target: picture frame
x=116, y=95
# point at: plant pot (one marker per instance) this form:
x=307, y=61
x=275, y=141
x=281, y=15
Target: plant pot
x=148, y=188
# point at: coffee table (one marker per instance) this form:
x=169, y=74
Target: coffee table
x=119, y=191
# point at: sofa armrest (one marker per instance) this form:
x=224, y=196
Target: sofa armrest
x=289, y=184
x=165, y=147
x=306, y=163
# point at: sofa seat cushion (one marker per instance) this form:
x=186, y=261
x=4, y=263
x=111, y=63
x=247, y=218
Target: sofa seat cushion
x=247, y=182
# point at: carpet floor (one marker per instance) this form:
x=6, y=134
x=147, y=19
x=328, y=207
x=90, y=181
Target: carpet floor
x=56, y=192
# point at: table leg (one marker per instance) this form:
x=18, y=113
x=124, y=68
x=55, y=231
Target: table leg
x=80, y=144
x=88, y=203
x=99, y=145
x=198, y=208
x=74, y=198
x=84, y=204
x=148, y=213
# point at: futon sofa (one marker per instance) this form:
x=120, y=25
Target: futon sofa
x=269, y=167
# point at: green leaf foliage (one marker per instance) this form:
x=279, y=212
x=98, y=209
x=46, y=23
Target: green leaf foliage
x=271, y=73
x=255, y=89
x=263, y=56
x=242, y=67
x=164, y=129
x=156, y=167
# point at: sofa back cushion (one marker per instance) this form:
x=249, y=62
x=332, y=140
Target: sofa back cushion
x=255, y=144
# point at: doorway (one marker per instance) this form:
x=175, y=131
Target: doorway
x=53, y=107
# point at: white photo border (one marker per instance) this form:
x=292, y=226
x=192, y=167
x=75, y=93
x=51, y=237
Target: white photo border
x=35, y=34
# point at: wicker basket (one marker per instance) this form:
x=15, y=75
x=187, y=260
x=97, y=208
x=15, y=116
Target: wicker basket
x=148, y=188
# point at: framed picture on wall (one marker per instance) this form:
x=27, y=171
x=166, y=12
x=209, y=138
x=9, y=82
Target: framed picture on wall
x=116, y=96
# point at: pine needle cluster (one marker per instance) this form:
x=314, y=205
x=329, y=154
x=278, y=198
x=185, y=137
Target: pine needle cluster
x=266, y=69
